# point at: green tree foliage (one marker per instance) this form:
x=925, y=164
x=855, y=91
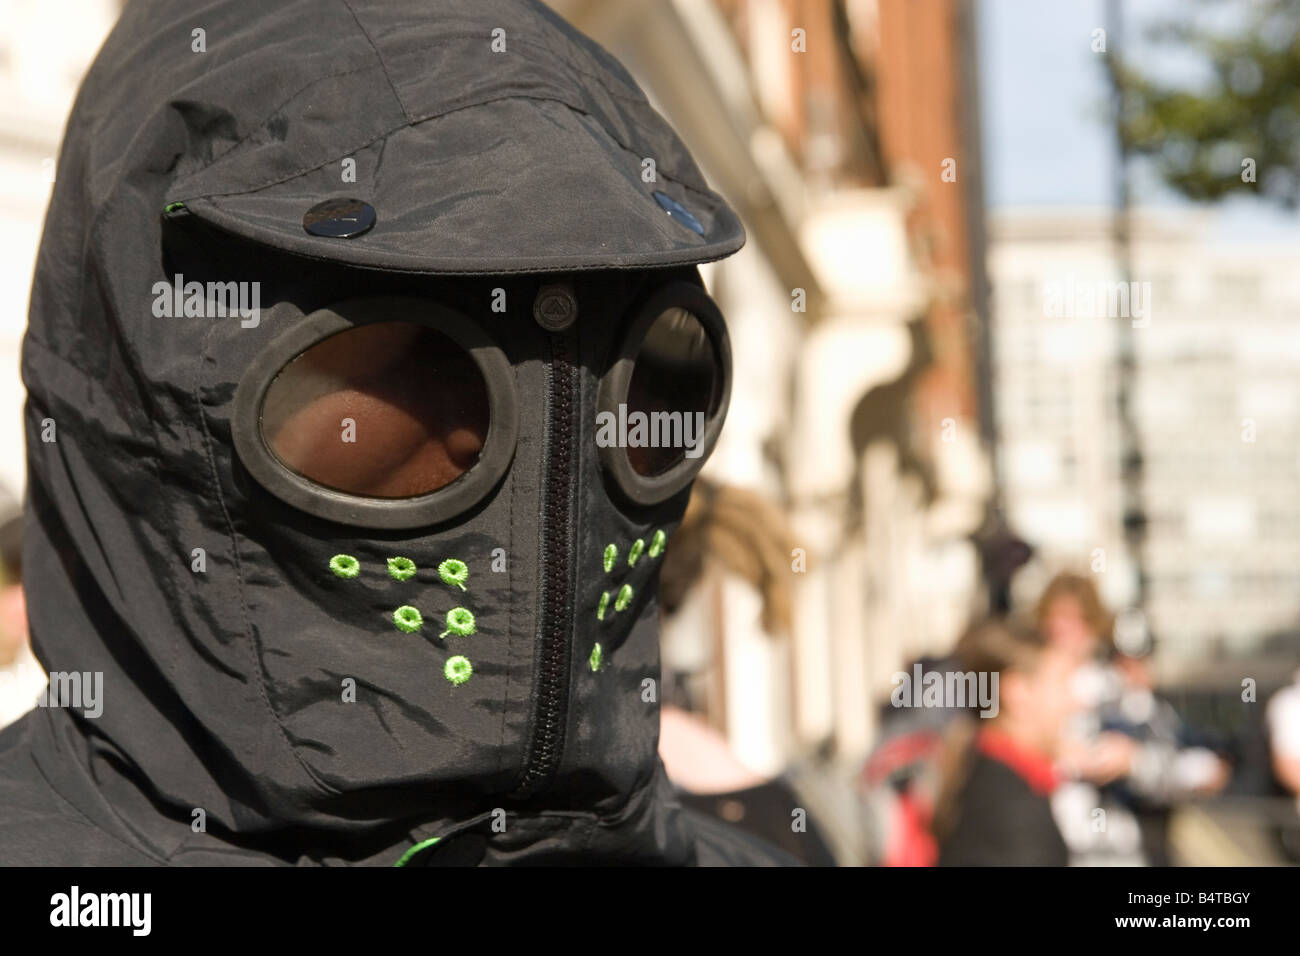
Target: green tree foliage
x=1248, y=107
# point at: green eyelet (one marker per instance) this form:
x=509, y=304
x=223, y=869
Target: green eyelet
x=455, y=572
x=657, y=544
x=402, y=569
x=624, y=598
x=408, y=619
x=458, y=669
x=345, y=566
x=460, y=621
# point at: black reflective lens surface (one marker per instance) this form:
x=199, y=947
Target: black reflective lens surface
x=676, y=385
x=384, y=410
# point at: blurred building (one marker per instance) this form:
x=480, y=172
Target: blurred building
x=44, y=49
x=843, y=131
x=1217, y=401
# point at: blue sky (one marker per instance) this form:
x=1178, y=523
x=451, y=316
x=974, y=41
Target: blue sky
x=1041, y=87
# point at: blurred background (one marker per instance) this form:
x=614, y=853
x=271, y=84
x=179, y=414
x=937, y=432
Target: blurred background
x=929, y=425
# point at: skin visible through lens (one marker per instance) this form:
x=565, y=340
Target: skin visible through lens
x=386, y=410
x=676, y=370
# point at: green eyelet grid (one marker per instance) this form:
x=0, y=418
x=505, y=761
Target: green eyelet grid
x=460, y=621
x=622, y=598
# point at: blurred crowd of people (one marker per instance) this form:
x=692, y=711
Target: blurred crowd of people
x=1082, y=763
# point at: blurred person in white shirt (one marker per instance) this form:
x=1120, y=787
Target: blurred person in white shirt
x=1283, y=721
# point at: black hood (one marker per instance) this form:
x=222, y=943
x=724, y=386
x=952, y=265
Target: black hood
x=491, y=173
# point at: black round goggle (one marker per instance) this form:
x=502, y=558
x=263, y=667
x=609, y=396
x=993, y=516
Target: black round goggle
x=396, y=412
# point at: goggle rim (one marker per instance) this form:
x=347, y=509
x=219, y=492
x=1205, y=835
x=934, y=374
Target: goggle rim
x=650, y=490
x=383, y=514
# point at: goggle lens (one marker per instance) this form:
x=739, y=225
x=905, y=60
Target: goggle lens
x=384, y=410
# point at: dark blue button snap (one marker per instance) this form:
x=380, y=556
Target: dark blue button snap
x=678, y=212
x=339, y=218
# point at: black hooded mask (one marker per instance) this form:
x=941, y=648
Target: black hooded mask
x=341, y=314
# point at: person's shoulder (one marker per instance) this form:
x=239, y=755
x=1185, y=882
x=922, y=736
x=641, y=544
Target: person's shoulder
x=717, y=843
x=1001, y=821
x=993, y=777
x=37, y=826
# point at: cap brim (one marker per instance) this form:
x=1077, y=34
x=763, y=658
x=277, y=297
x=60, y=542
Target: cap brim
x=513, y=185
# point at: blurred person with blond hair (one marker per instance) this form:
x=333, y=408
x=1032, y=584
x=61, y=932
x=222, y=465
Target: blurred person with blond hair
x=1128, y=751
x=738, y=532
x=1072, y=618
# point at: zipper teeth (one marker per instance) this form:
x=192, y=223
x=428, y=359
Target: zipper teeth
x=546, y=742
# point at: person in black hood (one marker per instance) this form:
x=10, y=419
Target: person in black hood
x=354, y=331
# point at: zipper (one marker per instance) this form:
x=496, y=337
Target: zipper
x=555, y=620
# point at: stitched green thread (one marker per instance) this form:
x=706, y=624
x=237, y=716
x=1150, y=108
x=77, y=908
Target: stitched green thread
x=173, y=206
x=345, y=566
x=402, y=569
x=458, y=669
x=657, y=544
x=408, y=619
x=460, y=621
x=406, y=857
x=603, y=606
x=634, y=555
x=454, y=572
x=596, y=657
x=624, y=598
x=611, y=555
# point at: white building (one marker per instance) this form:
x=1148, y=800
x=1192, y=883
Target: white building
x=1217, y=402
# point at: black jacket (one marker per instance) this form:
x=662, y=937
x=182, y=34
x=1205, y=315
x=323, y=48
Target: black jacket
x=1001, y=821
x=206, y=602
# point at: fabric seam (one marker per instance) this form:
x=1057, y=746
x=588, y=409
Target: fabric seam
x=670, y=175
x=392, y=87
x=253, y=643
x=265, y=120
x=89, y=822
x=510, y=618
